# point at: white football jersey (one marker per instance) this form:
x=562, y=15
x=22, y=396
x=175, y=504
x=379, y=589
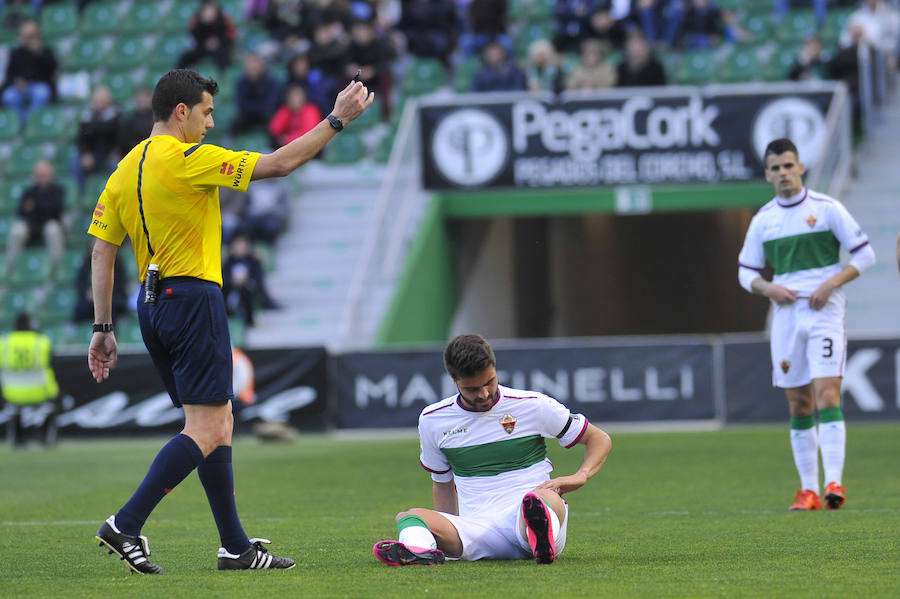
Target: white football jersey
x=499, y=455
x=801, y=237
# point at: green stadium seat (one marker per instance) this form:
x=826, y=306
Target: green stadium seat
x=166, y=51
x=370, y=118
x=834, y=25
x=59, y=305
x=86, y=54
x=142, y=17
x=100, y=18
x=797, y=26
x=32, y=268
x=126, y=54
x=59, y=19
x=23, y=157
x=255, y=142
x=462, y=77
x=49, y=124
x=10, y=194
x=9, y=124
x=696, y=67
x=740, y=65
x=533, y=30
x=780, y=63
x=128, y=332
x=177, y=19
x=344, y=149
x=524, y=10
x=759, y=25
x=223, y=115
x=93, y=187
x=14, y=301
x=121, y=86
x=423, y=75
x=72, y=259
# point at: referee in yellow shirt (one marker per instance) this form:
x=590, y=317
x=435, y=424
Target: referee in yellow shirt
x=164, y=195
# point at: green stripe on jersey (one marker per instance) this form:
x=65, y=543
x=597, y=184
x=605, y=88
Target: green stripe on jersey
x=802, y=252
x=489, y=459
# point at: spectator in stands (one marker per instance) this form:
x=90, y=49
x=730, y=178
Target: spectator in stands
x=213, y=34
x=371, y=53
x=267, y=210
x=880, y=24
x=135, y=126
x=30, y=72
x=84, y=304
x=497, y=71
x=294, y=118
x=286, y=23
x=256, y=96
x=571, y=21
x=327, y=57
x=783, y=6
x=484, y=21
x=593, y=72
x=430, y=27
x=701, y=25
x=658, y=20
x=606, y=28
x=243, y=282
x=97, y=136
x=640, y=67
x=811, y=62
x=544, y=70
x=39, y=217
x=844, y=66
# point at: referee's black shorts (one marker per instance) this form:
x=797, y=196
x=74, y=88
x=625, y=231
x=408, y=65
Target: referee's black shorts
x=186, y=333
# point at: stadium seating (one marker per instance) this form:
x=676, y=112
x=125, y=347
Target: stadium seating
x=86, y=53
x=422, y=76
x=59, y=19
x=49, y=124
x=178, y=18
x=58, y=305
x=9, y=124
x=780, y=63
x=99, y=18
x=32, y=268
x=127, y=53
x=24, y=156
x=797, y=26
x=696, y=67
x=739, y=65
x=346, y=148
x=141, y=18
x=121, y=86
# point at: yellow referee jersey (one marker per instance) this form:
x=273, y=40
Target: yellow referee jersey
x=176, y=185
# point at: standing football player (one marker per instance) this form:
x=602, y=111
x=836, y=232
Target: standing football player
x=485, y=450
x=800, y=233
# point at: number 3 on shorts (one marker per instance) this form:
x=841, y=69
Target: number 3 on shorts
x=827, y=345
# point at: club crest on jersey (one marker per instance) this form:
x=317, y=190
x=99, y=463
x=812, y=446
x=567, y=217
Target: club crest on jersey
x=508, y=422
x=811, y=220
x=785, y=366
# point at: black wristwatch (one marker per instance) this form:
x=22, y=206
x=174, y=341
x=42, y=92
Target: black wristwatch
x=106, y=327
x=336, y=123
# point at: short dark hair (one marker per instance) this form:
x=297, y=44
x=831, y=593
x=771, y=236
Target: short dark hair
x=468, y=355
x=23, y=322
x=177, y=86
x=779, y=146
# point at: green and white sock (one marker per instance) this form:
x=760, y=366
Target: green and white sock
x=412, y=530
x=804, y=443
x=832, y=443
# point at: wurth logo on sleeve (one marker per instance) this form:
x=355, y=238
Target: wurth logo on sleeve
x=98, y=210
x=226, y=169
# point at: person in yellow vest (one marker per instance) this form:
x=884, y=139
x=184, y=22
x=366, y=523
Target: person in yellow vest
x=27, y=379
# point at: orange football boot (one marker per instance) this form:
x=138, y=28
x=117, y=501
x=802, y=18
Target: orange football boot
x=806, y=499
x=835, y=496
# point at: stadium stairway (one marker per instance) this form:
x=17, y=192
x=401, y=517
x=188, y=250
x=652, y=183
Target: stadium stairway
x=872, y=199
x=317, y=256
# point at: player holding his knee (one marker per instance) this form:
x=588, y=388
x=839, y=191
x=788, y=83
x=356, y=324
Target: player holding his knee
x=800, y=233
x=485, y=449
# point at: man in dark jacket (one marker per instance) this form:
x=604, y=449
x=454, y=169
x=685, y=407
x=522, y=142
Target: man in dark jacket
x=39, y=216
x=30, y=72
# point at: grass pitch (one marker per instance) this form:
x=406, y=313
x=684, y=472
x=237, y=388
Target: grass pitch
x=699, y=514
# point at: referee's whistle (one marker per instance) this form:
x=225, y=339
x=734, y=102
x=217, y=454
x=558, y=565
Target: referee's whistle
x=357, y=76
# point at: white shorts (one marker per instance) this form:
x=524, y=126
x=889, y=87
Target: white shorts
x=808, y=344
x=495, y=535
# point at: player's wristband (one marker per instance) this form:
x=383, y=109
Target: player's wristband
x=106, y=327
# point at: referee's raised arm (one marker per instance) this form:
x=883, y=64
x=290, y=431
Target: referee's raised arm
x=350, y=103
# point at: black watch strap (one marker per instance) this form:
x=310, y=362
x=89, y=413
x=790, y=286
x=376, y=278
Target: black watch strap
x=106, y=327
x=336, y=123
